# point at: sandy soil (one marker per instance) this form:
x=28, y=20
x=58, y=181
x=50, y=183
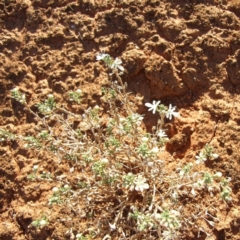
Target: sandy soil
x=182, y=52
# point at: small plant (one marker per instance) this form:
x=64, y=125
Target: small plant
x=56, y=197
x=118, y=177
x=185, y=170
x=75, y=96
x=208, y=152
x=6, y=135
x=99, y=167
x=45, y=175
x=40, y=223
x=144, y=221
x=34, y=175
x=169, y=219
x=20, y=97
x=32, y=142
x=225, y=190
x=47, y=106
x=60, y=195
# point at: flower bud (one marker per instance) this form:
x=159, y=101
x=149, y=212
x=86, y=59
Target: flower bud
x=193, y=192
x=155, y=150
x=214, y=155
x=144, y=139
x=35, y=167
x=218, y=174
x=104, y=160
x=55, y=189
x=43, y=222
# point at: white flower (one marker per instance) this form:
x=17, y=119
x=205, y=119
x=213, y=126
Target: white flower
x=112, y=226
x=162, y=134
x=152, y=106
x=101, y=56
x=117, y=64
x=171, y=112
x=200, y=158
x=140, y=183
